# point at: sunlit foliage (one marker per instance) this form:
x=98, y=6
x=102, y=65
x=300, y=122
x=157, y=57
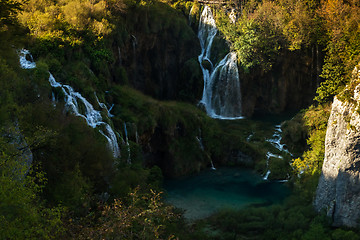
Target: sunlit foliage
x=310, y=163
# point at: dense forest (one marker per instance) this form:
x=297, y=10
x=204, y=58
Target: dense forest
x=136, y=63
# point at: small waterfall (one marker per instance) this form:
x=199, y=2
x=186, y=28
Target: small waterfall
x=201, y=145
x=137, y=136
x=24, y=63
x=221, y=93
x=74, y=101
x=275, y=141
x=53, y=99
x=190, y=14
x=134, y=43
x=249, y=137
x=103, y=106
x=127, y=144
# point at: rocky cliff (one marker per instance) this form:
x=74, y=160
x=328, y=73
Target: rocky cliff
x=338, y=192
x=160, y=54
x=290, y=84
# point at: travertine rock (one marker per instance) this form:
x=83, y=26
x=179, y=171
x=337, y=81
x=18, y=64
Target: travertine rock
x=338, y=192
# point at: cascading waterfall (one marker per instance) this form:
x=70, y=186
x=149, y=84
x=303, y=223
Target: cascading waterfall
x=73, y=101
x=276, y=142
x=221, y=93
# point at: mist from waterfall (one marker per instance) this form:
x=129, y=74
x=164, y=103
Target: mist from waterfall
x=74, y=101
x=221, y=94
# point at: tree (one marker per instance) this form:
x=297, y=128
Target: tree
x=143, y=216
x=22, y=214
x=8, y=10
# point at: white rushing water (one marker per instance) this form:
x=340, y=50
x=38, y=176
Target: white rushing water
x=78, y=105
x=276, y=142
x=24, y=63
x=221, y=93
x=190, y=14
x=103, y=106
x=201, y=145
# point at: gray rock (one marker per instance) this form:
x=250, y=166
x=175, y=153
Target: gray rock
x=22, y=150
x=338, y=192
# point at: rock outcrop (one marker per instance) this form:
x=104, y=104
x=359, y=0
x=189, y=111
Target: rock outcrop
x=338, y=192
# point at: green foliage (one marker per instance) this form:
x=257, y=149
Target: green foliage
x=341, y=21
x=295, y=133
x=315, y=119
x=294, y=219
x=22, y=214
x=70, y=22
x=256, y=44
x=267, y=27
x=341, y=234
x=8, y=10
x=143, y=216
x=72, y=190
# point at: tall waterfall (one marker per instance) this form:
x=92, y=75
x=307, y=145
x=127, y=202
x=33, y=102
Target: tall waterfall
x=74, y=101
x=221, y=94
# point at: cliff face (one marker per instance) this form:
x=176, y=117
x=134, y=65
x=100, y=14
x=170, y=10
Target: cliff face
x=338, y=192
x=290, y=84
x=160, y=54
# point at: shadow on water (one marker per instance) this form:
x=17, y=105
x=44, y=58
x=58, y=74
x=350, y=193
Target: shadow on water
x=210, y=191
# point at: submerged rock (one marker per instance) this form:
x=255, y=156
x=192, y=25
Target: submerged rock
x=338, y=192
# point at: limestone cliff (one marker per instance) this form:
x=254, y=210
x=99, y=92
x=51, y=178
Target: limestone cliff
x=338, y=192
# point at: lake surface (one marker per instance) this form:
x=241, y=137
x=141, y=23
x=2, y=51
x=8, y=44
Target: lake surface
x=213, y=190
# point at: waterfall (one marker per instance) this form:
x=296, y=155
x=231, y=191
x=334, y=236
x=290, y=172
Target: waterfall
x=201, y=145
x=74, y=101
x=137, y=137
x=275, y=141
x=24, y=63
x=134, y=43
x=103, y=106
x=190, y=14
x=221, y=93
x=127, y=143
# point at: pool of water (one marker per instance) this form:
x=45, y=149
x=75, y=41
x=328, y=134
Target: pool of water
x=212, y=190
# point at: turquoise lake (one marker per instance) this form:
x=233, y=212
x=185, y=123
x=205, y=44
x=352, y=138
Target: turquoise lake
x=212, y=190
